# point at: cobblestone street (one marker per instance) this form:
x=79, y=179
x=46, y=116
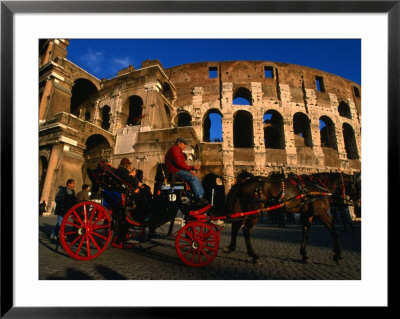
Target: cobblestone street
x=157, y=260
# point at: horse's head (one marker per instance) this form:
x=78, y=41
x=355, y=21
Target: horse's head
x=243, y=175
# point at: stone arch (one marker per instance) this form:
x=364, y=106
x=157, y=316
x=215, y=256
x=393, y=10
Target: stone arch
x=105, y=116
x=327, y=132
x=135, y=110
x=302, y=130
x=150, y=179
x=350, y=143
x=243, y=129
x=212, y=126
x=83, y=98
x=242, y=96
x=183, y=119
x=344, y=110
x=167, y=92
x=97, y=148
x=168, y=113
x=274, y=134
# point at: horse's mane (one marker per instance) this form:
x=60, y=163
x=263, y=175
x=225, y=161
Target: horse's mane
x=244, y=175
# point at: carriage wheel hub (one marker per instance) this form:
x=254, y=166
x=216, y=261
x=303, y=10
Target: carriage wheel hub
x=195, y=245
x=81, y=231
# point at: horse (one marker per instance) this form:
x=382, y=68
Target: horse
x=346, y=190
x=343, y=186
x=291, y=193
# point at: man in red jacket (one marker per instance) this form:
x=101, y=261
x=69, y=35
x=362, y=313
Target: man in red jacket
x=175, y=163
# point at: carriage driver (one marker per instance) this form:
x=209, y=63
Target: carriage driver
x=175, y=163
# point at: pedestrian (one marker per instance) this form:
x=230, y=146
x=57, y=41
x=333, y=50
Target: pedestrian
x=176, y=164
x=83, y=195
x=42, y=208
x=65, y=199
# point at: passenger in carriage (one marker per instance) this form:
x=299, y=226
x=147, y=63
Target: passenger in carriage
x=175, y=163
x=128, y=174
x=145, y=189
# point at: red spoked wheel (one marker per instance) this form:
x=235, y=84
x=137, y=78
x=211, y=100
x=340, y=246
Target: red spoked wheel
x=86, y=230
x=134, y=236
x=197, y=244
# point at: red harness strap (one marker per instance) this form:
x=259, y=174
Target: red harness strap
x=108, y=170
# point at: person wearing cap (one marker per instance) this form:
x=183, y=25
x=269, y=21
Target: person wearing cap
x=175, y=163
x=127, y=173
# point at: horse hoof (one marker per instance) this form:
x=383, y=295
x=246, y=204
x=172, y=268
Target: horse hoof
x=228, y=249
x=337, y=259
x=257, y=261
x=305, y=261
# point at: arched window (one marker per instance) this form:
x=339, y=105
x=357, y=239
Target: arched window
x=167, y=92
x=184, y=119
x=135, y=110
x=350, y=142
x=273, y=130
x=105, y=117
x=243, y=130
x=327, y=132
x=212, y=126
x=242, y=96
x=344, y=110
x=97, y=149
x=302, y=131
x=84, y=94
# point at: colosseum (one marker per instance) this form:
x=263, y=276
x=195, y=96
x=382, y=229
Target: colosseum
x=269, y=116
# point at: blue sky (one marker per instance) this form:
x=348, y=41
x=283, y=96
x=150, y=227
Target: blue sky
x=104, y=57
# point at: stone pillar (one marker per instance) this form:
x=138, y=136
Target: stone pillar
x=316, y=141
x=258, y=128
x=45, y=98
x=340, y=143
x=227, y=151
x=54, y=157
x=197, y=113
x=227, y=92
x=291, y=153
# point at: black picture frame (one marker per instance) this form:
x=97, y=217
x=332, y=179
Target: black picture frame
x=9, y=8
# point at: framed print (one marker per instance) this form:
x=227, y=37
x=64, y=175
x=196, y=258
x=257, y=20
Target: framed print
x=23, y=23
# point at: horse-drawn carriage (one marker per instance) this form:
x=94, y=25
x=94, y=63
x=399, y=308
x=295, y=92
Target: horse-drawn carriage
x=113, y=216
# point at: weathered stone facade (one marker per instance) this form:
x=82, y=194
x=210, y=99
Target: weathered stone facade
x=276, y=123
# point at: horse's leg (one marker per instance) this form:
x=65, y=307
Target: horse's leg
x=247, y=228
x=235, y=229
x=306, y=229
x=327, y=221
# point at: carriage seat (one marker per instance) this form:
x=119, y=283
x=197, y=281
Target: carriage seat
x=174, y=182
x=169, y=180
x=104, y=177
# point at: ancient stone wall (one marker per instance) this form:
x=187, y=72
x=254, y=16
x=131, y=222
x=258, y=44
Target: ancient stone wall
x=272, y=116
x=297, y=93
